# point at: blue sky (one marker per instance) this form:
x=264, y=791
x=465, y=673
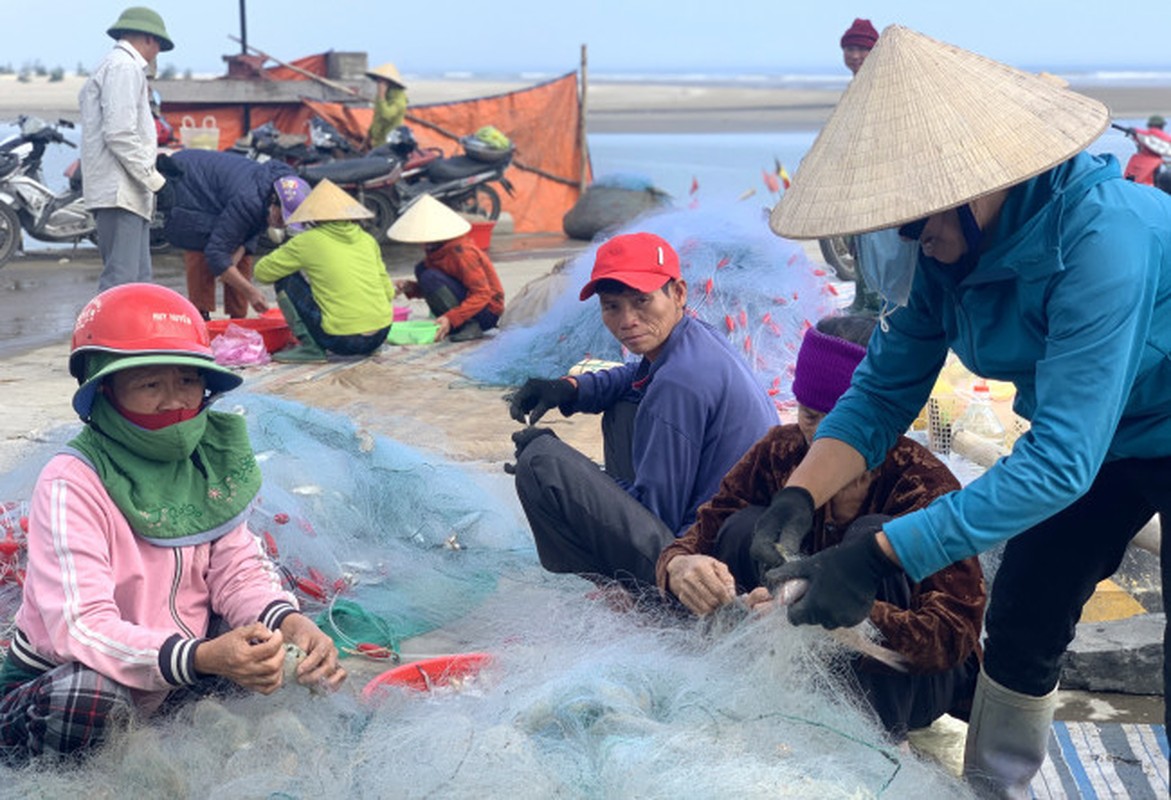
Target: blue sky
x=757, y=36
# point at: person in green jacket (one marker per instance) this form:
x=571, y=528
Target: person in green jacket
x=390, y=103
x=331, y=284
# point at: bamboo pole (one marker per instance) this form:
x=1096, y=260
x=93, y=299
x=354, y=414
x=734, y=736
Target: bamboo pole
x=583, y=141
x=311, y=75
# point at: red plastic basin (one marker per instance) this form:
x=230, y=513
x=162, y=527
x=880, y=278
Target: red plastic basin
x=273, y=330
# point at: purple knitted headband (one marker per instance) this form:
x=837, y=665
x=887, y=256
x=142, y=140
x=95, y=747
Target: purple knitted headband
x=825, y=365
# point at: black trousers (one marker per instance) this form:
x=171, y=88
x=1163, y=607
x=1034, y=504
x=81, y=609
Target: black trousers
x=901, y=701
x=1049, y=572
x=583, y=522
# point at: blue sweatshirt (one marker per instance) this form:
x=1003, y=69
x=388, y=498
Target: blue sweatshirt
x=699, y=410
x=1071, y=302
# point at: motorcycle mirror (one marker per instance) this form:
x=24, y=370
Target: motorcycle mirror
x=64, y=123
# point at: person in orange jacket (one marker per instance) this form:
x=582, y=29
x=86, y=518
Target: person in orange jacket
x=455, y=277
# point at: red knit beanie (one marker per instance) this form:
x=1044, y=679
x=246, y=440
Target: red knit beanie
x=860, y=34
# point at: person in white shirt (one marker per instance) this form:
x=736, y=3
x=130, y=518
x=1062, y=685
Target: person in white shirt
x=119, y=147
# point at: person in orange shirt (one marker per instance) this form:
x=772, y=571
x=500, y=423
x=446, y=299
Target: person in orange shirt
x=455, y=277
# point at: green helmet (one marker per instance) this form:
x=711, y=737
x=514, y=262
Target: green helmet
x=1156, y=121
x=140, y=19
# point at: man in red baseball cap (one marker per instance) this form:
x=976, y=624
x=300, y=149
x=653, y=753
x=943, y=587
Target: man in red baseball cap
x=673, y=423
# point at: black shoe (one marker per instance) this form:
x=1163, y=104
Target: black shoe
x=467, y=332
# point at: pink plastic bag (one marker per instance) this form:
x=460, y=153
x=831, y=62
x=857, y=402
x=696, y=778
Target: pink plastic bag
x=238, y=346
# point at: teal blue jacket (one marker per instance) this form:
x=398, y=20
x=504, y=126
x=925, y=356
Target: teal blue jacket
x=1071, y=302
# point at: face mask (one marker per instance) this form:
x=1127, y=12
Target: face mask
x=888, y=262
x=276, y=235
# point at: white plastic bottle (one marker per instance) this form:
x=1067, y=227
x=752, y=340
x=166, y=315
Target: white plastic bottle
x=978, y=434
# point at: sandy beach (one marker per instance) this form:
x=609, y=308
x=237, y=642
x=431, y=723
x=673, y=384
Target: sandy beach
x=420, y=396
x=618, y=107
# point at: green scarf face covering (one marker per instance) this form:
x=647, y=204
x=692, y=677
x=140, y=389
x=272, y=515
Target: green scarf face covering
x=184, y=484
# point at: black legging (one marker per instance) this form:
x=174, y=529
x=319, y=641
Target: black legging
x=1049, y=572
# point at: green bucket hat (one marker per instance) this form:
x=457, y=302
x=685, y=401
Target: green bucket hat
x=100, y=366
x=140, y=19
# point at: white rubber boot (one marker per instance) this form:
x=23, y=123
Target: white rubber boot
x=1007, y=737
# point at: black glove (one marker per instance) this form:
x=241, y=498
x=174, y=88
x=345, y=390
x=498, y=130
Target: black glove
x=780, y=530
x=538, y=395
x=843, y=582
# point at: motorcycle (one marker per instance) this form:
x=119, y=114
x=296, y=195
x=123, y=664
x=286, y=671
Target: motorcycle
x=1151, y=165
x=840, y=254
x=26, y=202
x=391, y=177
x=325, y=153
x=462, y=182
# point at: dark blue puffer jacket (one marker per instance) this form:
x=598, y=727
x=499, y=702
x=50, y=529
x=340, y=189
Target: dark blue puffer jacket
x=221, y=203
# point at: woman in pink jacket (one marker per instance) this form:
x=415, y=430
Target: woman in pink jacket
x=143, y=577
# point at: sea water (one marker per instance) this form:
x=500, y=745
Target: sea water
x=723, y=165
x=719, y=166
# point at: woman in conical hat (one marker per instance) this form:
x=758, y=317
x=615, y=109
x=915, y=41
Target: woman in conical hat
x=390, y=103
x=331, y=283
x=1037, y=264
x=455, y=277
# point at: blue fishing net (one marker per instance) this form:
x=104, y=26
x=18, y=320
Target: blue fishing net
x=759, y=290
x=578, y=700
x=411, y=539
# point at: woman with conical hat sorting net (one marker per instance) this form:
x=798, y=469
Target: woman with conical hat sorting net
x=933, y=624
x=455, y=277
x=332, y=286
x=144, y=582
x=1037, y=263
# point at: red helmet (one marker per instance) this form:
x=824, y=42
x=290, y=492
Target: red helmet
x=138, y=318
x=149, y=324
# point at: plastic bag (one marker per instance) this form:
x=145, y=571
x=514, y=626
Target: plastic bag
x=238, y=346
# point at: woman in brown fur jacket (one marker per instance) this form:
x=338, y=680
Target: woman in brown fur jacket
x=934, y=624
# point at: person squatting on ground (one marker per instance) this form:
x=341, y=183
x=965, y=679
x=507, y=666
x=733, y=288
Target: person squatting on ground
x=221, y=207
x=332, y=286
x=455, y=277
x=144, y=583
x=1050, y=271
x=390, y=104
x=934, y=623
x=118, y=147
x=673, y=424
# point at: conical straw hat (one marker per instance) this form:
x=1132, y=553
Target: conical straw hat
x=428, y=220
x=327, y=203
x=387, y=72
x=923, y=127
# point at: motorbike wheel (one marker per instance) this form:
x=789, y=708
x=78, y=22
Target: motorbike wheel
x=838, y=252
x=10, y=234
x=481, y=201
x=384, y=214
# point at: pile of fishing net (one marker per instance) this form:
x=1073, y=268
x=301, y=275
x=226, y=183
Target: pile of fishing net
x=578, y=700
x=758, y=289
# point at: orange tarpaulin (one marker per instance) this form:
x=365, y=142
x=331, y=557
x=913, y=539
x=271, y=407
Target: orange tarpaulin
x=542, y=121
